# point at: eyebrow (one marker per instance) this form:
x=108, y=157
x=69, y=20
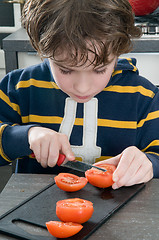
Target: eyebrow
x=71, y=69
x=99, y=67
x=59, y=65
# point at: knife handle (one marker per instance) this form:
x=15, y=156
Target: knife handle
x=60, y=160
x=32, y=155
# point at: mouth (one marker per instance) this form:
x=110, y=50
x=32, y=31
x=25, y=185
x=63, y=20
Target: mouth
x=82, y=97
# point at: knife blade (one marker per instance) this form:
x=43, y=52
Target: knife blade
x=76, y=165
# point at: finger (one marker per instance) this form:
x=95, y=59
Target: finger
x=53, y=153
x=123, y=165
x=44, y=152
x=141, y=176
x=36, y=151
x=66, y=148
x=131, y=172
x=143, y=172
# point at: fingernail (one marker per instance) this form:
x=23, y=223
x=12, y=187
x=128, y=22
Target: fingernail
x=71, y=157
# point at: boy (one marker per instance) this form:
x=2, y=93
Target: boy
x=81, y=101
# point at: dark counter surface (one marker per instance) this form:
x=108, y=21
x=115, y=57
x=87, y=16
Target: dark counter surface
x=138, y=219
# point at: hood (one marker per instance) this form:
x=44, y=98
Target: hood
x=124, y=65
x=127, y=64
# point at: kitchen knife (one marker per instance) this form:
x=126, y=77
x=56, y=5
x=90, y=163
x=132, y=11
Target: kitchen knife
x=76, y=165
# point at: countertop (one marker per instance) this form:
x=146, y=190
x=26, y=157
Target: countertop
x=19, y=41
x=138, y=219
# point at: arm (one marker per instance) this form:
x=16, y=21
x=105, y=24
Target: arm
x=139, y=163
x=13, y=136
x=18, y=139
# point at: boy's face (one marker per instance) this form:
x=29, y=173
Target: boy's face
x=82, y=83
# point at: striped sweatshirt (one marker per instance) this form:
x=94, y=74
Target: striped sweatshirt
x=125, y=113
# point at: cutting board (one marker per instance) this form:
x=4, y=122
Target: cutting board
x=41, y=208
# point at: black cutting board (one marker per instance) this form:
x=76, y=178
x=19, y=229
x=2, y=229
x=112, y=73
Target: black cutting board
x=40, y=208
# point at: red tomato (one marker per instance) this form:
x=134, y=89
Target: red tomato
x=74, y=210
x=101, y=179
x=63, y=230
x=143, y=7
x=70, y=182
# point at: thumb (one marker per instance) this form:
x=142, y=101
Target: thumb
x=67, y=151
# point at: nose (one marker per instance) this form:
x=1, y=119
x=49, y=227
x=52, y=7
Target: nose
x=82, y=84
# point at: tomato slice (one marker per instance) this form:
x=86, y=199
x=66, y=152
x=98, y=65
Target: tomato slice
x=70, y=182
x=63, y=230
x=101, y=179
x=74, y=210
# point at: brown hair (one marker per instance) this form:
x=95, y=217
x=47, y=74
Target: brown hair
x=55, y=26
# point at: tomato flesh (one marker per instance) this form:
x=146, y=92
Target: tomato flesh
x=101, y=179
x=70, y=182
x=63, y=230
x=75, y=210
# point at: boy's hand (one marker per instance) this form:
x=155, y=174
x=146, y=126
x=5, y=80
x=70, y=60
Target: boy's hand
x=46, y=145
x=133, y=167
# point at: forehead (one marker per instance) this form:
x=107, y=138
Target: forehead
x=92, y=54
x=68, y=59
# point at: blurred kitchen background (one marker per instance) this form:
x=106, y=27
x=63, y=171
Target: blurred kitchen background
x=16, y=51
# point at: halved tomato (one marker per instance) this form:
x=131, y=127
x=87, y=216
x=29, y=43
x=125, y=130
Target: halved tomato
x=70, y=182
x=63, y=230
x=101, y=179
x=74, y=210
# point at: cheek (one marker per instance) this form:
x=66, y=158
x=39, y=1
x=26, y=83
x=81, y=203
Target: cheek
x=101, y=82
x=58, y=78
x=106, y=77
x=62, y=81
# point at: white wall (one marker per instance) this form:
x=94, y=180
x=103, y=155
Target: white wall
x=148, y=65
x=2, y=64
x=26, y=59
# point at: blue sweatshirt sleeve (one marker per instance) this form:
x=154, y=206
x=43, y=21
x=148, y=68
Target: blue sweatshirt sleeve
x=148, y=133
x=13, y=134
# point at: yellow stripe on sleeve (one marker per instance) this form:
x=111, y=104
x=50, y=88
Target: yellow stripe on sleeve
x=6, y=99
x=152, y=144
x=130, y=89
x=36, y=83
x=150, y=116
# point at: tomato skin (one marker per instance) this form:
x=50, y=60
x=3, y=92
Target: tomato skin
x=75, y=210
x=63, y=230
x=101, y=179
x=70, y=182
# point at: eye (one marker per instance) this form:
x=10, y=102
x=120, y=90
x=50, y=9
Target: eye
x=65, y=71
x=100, y=71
